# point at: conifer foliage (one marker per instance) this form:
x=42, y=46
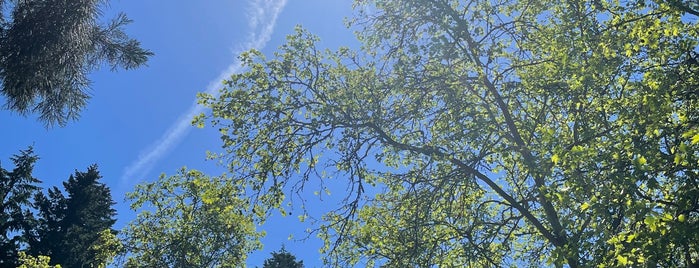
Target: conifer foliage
x=73, y=230
x=71, y=225
x=282, y=259
x=48, y=48
x=16, y=188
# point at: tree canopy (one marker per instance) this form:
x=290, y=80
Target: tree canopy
x=28, y=261
x=483, y=133
x=36, y=229
x=189, y=220
x=282, y=259
x=70, y=228
x=16, y=189
x=48, y=48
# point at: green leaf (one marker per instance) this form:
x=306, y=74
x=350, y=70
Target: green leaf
x=584, y=206
x=555, y=159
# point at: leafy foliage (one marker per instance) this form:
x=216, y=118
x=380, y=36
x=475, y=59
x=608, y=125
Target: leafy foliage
x=16, y=189
x=489, y=133
x=282, y=259
x=107, y=247
x=35, y=262
x=47, y=50
x=189, y=220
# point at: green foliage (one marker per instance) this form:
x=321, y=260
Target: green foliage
x=16, y=189
x=189, y=220
x=107, y=247
x=35, y=262
x=48, y=49
x=282, y=259
x=72, y=230
x=489, y=133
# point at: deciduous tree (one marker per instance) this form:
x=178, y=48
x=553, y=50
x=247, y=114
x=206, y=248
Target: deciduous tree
x=488, y=133
x=27, y=261
x=189, y=220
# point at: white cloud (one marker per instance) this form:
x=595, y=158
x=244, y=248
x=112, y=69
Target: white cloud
x=262, y=16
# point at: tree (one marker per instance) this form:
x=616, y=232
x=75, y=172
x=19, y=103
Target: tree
x=107, y=247
x=35, y=262
x=282, y=259
x=89, y=212
x=47, y=49
x=189, y=220
x=488, y=133
x=71, y=229
x=16, y=189
x=47, y=233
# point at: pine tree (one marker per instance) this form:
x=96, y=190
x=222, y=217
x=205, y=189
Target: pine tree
x=16, y=189
x=48, y=48
x=282, y=259
x=71, y=226
x=89, y=212
x=48, y=230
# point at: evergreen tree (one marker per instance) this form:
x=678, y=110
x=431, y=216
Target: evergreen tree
x=282, y=259
x=48, y=230
x=16, y=189
x=72, y=226
x=48, y=48
x=89, y=212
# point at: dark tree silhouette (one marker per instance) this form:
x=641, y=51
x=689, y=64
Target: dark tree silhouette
x=70, y=226
x=16, y=188
x=282, y=259
x=48, y=48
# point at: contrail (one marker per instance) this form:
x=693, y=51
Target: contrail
x=262, y=15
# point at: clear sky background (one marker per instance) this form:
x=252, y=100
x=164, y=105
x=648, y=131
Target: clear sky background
x=136, y=125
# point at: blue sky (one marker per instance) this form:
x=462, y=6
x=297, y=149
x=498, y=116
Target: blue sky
x=136, y=125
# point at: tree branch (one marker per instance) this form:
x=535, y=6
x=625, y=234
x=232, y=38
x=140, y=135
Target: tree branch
x=559, y=237
x=679, y=5
x=431, y=151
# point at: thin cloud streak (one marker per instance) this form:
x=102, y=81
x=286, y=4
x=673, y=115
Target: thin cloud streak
x=262, y=16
